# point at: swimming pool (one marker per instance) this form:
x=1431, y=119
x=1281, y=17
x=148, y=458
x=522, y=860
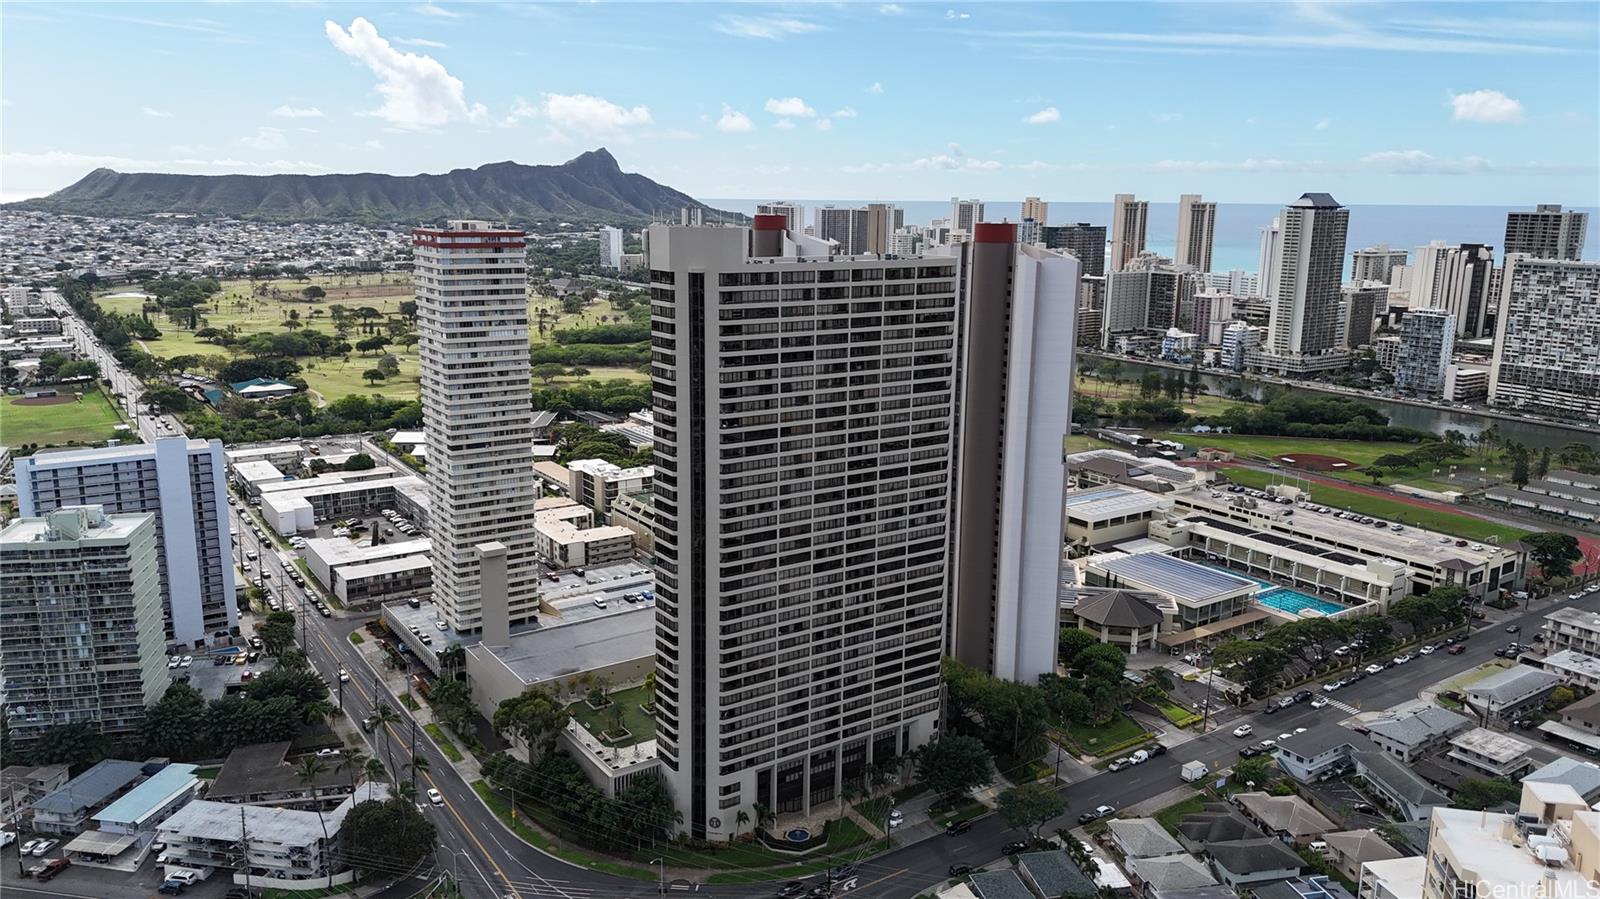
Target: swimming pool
x=1294, y=602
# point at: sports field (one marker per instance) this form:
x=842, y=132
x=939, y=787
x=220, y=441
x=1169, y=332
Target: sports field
x=1423, y=516
x=1361, y=452
x=89, y=419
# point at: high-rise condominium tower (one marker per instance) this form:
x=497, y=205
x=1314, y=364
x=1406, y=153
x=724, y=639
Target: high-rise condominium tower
x=1083, y=240
x=182, y=482
x=610, y=247
x=1197, y=223
x=1127, y=229
x=965, y=214
x=472, y=318
x=1427, y=341
x=882, y=221
x=1305, y=309
x=1375, y=263
x=1019, y=330
x=1456, y=279
x=81, y=638
x=846, y=226
x=803, y=503
x=1547, y=232
x=1036, y=209
x=1547, y=337
x=1271, y=256
x=794, y=214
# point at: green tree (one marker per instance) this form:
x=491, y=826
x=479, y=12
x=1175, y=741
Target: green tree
x=1072, y=642
x=1375, y=473
x=360, y=462
x=379, y=838
x=1520, y=474
x=166, y=399
x=77, y=746
x=371, y=344
x=548, y=371
x=277, y=632
x=175, y=724
x=390, y=366
x=1481, y=793
x=953, y=765
x=452, y=704
x=383, y=717
x=1554, y=553
x=1029, y=806
x=418, y=765
x=1256, y=770
x=1541, y=467
x=313, y=293
x=535, y=716
x=373, y=376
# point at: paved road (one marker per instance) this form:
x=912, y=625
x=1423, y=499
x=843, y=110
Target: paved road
x=118, y=379
x=494, y=863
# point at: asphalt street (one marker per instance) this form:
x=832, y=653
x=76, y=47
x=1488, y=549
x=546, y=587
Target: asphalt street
x=121, y=382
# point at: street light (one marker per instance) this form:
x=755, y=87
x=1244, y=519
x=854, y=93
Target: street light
x=662, y=889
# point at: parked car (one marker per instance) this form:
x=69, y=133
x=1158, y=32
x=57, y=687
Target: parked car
x=1243, y=730
x=1427, y=650
x=840, y=872
x=1513, y=628
x=1374, y=668
x=958, y=870
x=1456, y=650
x=958, y=827
x=1249, y=752
x=41, y=847
x=1271, y=709
x=1118, y=765
x=896, y=818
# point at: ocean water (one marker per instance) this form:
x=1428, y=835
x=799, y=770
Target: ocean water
x=1237, y=240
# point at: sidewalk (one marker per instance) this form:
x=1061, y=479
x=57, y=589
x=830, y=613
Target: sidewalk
x=396, y=683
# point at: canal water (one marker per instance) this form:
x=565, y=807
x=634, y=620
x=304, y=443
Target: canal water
x=1529, y=433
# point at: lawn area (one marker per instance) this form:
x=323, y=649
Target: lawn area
x=1391, y=509
x=257, y=312
x=1361, y=452
x=445, y=746
x=356, y=638
x=409, y=701
x=640, y=724
x=207, y=773
x=92, y=419
x=1172, y=814
x=1077, y=443
x=1118, y=732
x=1204, y=404
x=875, y=810
x=1177, y=714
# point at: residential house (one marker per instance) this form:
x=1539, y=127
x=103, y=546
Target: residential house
x=69, y=808
x=20, y=785
x=1584, y=777
x=1491, y=753
x=1053, y=875
x=1314, y=886
x=1215, y=823
x=1251, y=863
x=1396, y=786
x=261, y=775
x=1410, y=735
x=1507, y=695
x=999, y=885
x=1289, y=818
x=1141, y=838
x=1349, y=850
x=1169, y=872
x=1319, y=754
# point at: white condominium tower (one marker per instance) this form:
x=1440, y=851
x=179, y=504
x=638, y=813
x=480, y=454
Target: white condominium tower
x=1547, y=337
x=1427, y=343
x=1271, y=256
x=794, y=214
x=182, y=482
x=1036, y=209
x=1458, y=279
x=1310, y=261
x=81, y=639
x=1375, y=263
x=1546, y=232
x=1020, y=321
x=472, y=318
x=1127, y=229
x=1197, y=223
x=610, y=247
x=964, y=214
x=804, y=436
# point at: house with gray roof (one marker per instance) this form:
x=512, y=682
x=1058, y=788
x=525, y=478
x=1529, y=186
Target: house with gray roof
x=1348, y=850
x=1215, y=823
x=1397, y=786
x=1141, y=838
x=1507, y=695
x=68, y=809
x=1052, y=875
x=1217, y=891
x=1000, y=885
x=1289, y=818
x=1250, y=863
x=1409, y=735
x=1127, y=619
x=1583, y=777
x=1319, y=754
x=1316, y=886
x=1170, y=872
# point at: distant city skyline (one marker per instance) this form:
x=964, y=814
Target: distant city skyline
x=1495, y=103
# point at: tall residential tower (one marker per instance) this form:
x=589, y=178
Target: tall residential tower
x=804, y=437
x=1547, y=232
x=1197, y=224
x=1303, y=332
x=1127, y=229
x=472, y=318
x=1547, y=338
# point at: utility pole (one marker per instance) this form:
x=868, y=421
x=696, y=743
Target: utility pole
x=244, y=845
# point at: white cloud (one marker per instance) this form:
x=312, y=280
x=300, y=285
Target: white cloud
x=1321, y=39
x=953, y=161
x=266, y=139
x=875, y=87
x=1418, y=162
x=952, y=14
x=416, y=89
x=789, y=107
x=824, y=124
x=772, y=28
x=785, y=124
x=373, y=144
x=420, y=42
x=436, y=11
x=1323, y=125
x=848, y=112
x=156, y=113
x=892, y=9
x=592, y=116
x=1485, y=106
x=733, y=121
x=1045, y=116
x=520, y=109
x=297, y=112
x=69, y=160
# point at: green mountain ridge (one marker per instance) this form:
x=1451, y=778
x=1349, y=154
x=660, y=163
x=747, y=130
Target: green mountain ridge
x=589, y=187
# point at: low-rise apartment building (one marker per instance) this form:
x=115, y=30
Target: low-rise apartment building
x=1507, y=695
x=597, y=483
x=360, y=573
x=1492, y=753
x=1575, y=629
x=1410, y=735
x=568, y=537
x=69, y=808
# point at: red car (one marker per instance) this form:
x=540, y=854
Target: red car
x=1456, y=650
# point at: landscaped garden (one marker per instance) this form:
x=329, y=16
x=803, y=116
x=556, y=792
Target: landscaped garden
x=639, y=724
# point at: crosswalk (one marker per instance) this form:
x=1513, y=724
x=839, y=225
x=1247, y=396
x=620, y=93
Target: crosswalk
x=1343, y=706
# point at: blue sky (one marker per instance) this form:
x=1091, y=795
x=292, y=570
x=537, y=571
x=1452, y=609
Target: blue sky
x=1408, y=102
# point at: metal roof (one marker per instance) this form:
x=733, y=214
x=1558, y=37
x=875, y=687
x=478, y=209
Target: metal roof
x=1107, y=502
x=90, y=788
x=150, y=795
x=1176, y=577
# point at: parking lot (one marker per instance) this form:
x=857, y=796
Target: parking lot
x=85, y=881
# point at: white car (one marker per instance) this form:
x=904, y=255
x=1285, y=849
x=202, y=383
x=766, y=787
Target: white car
x=7, y=838
x=1329, y=688
x=174, y=662
x=896, y=818
x=1243, y=730
x=344, y=676
x=440, y=624
x=186, y=662
x=1374, y=668
x=26, y=849
x=435, y=797
x=43, y=846
x=1402, y=659
x=1299, y=730
x=1321, y=702
x=1427, y=650
x=1284, y=736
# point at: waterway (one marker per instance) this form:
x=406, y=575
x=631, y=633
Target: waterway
x=1423, y=418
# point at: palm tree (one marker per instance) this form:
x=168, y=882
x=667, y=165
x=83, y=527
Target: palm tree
x=741, y=819
x=308, y=770
x=418, y=763
x=354, y=761
x=316, y=711
x=763, y=813
x=374, y=770
x=405, y=791
x=382, y=716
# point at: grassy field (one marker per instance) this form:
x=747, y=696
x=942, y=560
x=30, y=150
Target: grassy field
x=1077, y=443
x=1117, y=732
x=90, y=420
x=1389, y=509
x=641, y=725
x=265, y=308
x=1361, y=452
x=1200, y=405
